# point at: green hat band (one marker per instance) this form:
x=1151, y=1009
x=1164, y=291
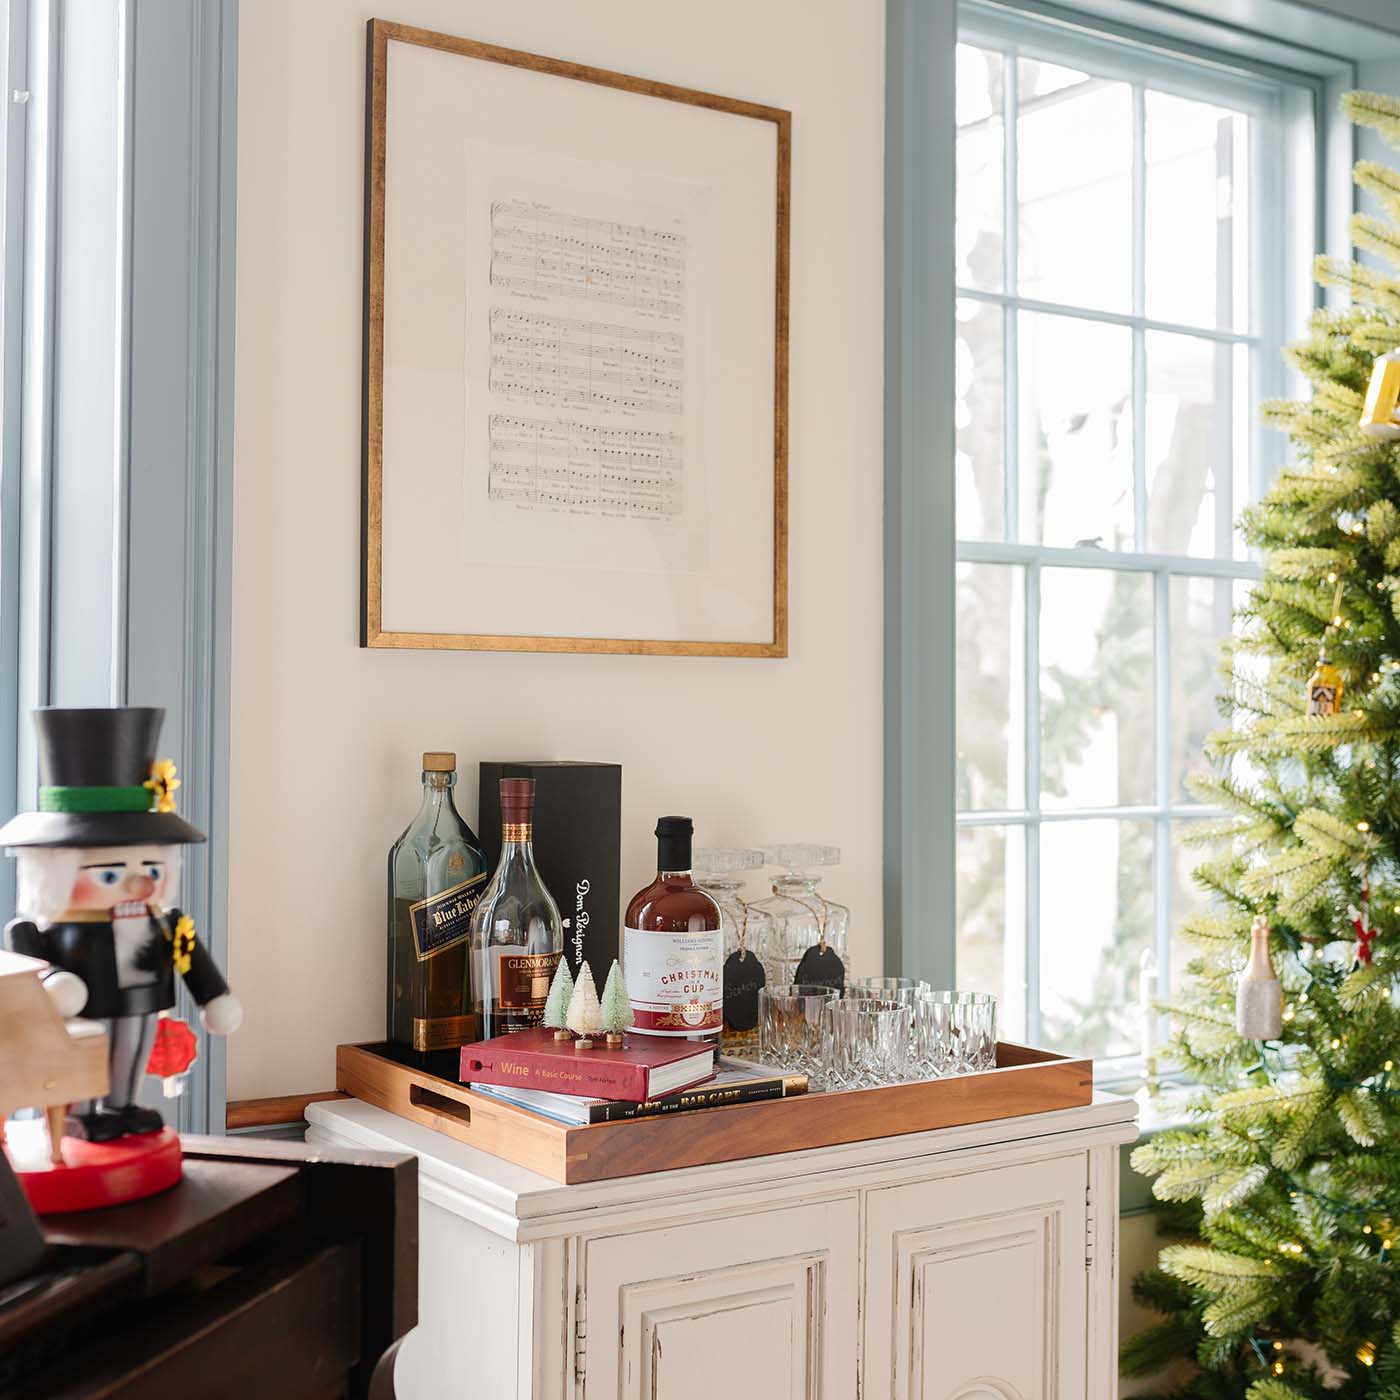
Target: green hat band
x=95, y=799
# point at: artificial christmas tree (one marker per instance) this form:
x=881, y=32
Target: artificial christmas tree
x=1286, y=1283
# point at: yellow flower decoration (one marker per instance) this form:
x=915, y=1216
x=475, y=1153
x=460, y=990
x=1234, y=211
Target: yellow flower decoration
x=162, y=784
x=183, y=944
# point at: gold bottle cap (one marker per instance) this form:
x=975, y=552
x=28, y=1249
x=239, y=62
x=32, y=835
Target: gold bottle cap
x=439, y=762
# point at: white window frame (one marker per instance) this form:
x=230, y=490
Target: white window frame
x=1282, y=167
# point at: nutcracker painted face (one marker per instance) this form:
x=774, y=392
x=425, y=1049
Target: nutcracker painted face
x=111, y=876
x=56, y=880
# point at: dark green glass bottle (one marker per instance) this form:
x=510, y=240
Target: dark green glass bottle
x=436, y=873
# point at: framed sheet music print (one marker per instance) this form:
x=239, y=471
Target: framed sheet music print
x=575, y=358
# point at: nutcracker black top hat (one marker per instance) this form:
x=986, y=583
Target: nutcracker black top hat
x=101, y=784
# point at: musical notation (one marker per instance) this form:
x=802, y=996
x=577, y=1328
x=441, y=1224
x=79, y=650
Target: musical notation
x=584, y=468
x=541, y=250
x=560, y=361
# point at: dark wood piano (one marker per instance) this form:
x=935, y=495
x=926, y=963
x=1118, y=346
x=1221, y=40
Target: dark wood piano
x=273, y=1269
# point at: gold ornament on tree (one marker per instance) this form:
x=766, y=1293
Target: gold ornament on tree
x=1324, y=688
x=1380, y=415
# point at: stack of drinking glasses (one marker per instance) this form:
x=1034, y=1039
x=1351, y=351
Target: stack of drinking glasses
x=883, y=1030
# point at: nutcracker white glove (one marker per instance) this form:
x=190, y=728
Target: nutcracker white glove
x=222, y=1015
x=67, y=991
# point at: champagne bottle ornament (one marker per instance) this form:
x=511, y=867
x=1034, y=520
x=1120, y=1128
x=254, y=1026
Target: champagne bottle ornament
x=616, y=1006
x=1258, y=996
x=556, y=1006
x=585, y=1017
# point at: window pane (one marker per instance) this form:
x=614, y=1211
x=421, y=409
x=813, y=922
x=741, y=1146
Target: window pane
x=1075, y=432
x=1201, y=610
x=980, y=232
x=979, y=412
x=991, y=712
x=1246, y=436
x=1074, y=158
x=1095, y=688
x=1189, y=431
x=1197, y=212
x=1188, y=899
x=1096, y=917
x=991, y=927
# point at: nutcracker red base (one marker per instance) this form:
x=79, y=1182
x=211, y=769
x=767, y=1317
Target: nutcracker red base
x=99, y=1174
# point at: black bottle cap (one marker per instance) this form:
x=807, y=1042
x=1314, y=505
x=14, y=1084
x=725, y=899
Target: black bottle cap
x=673, y=836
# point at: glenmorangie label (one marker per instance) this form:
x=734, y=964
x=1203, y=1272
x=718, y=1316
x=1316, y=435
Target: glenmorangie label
x=523, y=986
x=443, y=920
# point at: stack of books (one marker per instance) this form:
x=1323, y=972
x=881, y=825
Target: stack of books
x=608, y=1084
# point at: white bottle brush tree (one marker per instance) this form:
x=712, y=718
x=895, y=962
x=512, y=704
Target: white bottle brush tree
x=585, y=1017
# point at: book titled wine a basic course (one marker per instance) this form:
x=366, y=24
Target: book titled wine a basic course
x=636, y=1072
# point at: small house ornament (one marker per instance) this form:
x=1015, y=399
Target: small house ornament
x=1324, y=689
x=1258, y=996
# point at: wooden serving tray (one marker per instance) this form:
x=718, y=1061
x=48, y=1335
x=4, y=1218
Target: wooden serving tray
x=1024, y=1081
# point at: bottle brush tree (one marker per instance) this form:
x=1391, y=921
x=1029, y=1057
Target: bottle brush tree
x=1284, y=1281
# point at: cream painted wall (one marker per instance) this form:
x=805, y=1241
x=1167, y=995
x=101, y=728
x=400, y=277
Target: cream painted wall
x=326, y=736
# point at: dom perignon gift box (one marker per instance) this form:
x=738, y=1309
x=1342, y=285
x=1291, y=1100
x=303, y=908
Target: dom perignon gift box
x=578, y=848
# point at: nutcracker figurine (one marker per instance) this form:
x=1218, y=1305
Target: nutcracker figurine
x=99, y=869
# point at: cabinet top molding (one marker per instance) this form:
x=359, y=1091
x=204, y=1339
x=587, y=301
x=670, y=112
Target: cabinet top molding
x=521, y=1205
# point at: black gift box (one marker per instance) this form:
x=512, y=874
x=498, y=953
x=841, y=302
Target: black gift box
x=578, y=848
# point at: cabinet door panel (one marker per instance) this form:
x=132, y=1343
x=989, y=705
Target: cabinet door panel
x=976, y=1286
x=760, y=1304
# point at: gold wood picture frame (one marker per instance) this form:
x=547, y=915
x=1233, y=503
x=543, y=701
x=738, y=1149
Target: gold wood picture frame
x=587, y=347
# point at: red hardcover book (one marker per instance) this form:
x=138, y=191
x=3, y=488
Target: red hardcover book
x=641, y=1069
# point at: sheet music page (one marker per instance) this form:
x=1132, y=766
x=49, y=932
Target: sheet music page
x=586, y=364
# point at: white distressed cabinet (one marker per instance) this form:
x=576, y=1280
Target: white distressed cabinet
x=974, y=1263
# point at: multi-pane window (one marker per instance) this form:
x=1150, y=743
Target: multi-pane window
x=1124, y=288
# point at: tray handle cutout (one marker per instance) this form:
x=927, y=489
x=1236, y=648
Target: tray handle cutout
x=437, y=1103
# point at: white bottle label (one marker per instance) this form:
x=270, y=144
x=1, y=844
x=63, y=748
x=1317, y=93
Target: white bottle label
x=675, y=981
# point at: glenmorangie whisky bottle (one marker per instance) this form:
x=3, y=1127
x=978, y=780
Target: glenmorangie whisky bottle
x=517, y=935
x=436, y=873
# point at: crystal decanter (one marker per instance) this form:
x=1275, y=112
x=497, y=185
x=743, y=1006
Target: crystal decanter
x=808, y=939
x=746, y=934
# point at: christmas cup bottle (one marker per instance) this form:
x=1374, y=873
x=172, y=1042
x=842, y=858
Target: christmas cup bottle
x=673, y=945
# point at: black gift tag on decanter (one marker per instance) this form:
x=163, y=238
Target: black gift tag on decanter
x=743, y=976
x=821, y=967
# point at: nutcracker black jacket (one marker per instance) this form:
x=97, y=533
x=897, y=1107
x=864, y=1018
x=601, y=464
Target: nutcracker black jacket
x=88, y=950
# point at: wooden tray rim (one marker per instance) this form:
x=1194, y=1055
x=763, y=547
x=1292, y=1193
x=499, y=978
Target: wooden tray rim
x=577, y=1153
